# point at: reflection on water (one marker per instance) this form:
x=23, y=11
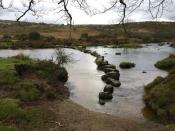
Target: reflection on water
x=85, y=81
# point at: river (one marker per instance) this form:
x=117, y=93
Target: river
x=85, y=80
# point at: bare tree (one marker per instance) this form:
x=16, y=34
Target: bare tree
x=125, y=7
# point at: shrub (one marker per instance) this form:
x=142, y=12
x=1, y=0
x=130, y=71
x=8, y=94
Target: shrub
x=21, y=69
x=7, y=37
x=62, y=74
x=51, y=38
x=126, y=65
x=22, y=37
x=50, y=94
x=45, y=69
x=84, y=36
x=34, y=36
x=61, y=57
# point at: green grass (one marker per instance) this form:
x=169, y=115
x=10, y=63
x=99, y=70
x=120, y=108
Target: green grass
x=8, y=64
x=25, y=81
x=8, y=128
x=11, y=111
x=160, y=97
x=27, y=91
x=6, y=45
x=167, y=63
x=160, y=94
x=13, y=79
x=8, y=75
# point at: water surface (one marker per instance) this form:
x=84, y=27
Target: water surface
x=85, y=81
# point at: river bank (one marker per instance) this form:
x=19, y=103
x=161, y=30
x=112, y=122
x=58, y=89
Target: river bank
x=73, y=117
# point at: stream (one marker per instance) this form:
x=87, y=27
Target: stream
x=85, y=80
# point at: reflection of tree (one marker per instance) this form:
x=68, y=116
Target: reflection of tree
x=125, y=50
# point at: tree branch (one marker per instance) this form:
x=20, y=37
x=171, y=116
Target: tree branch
x=29, y=8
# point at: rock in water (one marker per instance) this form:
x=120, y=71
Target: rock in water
x=114, y=75
x=101, y=102
x=117, y=53
x=113, y=82
x=110, y=81
x=105, y=96
x=106, y=70
x=108, y=88
x=126, y=65
x=144, y=72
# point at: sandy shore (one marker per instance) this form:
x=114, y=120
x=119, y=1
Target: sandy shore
x=76, y=118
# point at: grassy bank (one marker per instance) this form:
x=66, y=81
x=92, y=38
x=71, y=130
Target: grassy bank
x=167, y=63
x=160, y=94
x=26, y=84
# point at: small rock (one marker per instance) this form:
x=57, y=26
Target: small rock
x=117, y=53
x=144, y=72
x=126, y=65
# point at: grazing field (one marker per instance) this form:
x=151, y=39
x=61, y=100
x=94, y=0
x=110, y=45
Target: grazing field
x=137, y=33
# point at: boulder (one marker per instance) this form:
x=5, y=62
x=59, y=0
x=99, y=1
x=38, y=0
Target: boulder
x=104, y=67
x=106, y=70
x=118, y=53
x=110, y=81
x=110, y=66
x=144, y=72
x=94, y=53
x=114, y=75
x=126, y=65
x=87, y=51
x=101, y=63
x=99, y=60
x=105, y=96
x=113, y=82
x=101, y=102
x=108, y=88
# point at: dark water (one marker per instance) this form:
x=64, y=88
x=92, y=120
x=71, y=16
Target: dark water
x=85, y=81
